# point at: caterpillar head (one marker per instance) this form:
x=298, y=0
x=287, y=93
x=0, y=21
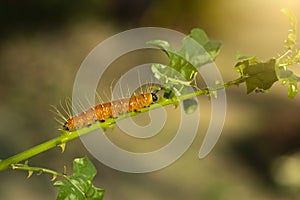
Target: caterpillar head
x=154, y=97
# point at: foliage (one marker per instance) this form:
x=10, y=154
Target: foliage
x=79, y=185
x=177, y=77
x=181, y=71
x=259, y=76
x=198, y=50
x=290, y=57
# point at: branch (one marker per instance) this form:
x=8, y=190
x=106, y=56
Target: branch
x=68, y=136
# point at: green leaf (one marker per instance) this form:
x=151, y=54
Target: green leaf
x=211, y=47
x=79, y=185
x=200, y=36
x=240, y=57
x=168, y=76
x=287, y=76
x=197, y=50
x=181, y=71
x=176, y=62
x=293, y=89
x=190, y=105
x=259, y=75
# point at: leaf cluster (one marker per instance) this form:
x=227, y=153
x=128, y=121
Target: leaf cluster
x=260, y=75
x=290, y=57
x=78, y=186
x=179, y=75
x=197, y=50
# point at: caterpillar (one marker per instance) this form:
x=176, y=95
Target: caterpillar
x=113, y=109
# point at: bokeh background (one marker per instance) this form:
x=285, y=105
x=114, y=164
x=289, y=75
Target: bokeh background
x=42, y=44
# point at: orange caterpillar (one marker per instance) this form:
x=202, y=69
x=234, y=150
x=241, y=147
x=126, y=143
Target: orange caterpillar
x=113, y=109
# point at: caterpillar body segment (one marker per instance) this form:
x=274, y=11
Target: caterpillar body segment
x=113, y=109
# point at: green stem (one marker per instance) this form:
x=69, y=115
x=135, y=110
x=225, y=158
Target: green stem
x=68, y=136
x=5, y=164
x=25, y=167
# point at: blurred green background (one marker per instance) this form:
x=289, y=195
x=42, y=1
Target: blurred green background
x=42, y=44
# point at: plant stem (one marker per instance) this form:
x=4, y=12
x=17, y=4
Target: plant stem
x=68, y=136
x=25, y=167
x=5, y=164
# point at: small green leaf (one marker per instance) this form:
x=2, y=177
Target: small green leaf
x=293, y=89
x=198, y=49
x=79, y=185
x=259, y=75
x=239, y=56
x=287, y=76
x=177, y=62
x=84, y=167
x=169, y=77
x=190, y=105
x=200, y=36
